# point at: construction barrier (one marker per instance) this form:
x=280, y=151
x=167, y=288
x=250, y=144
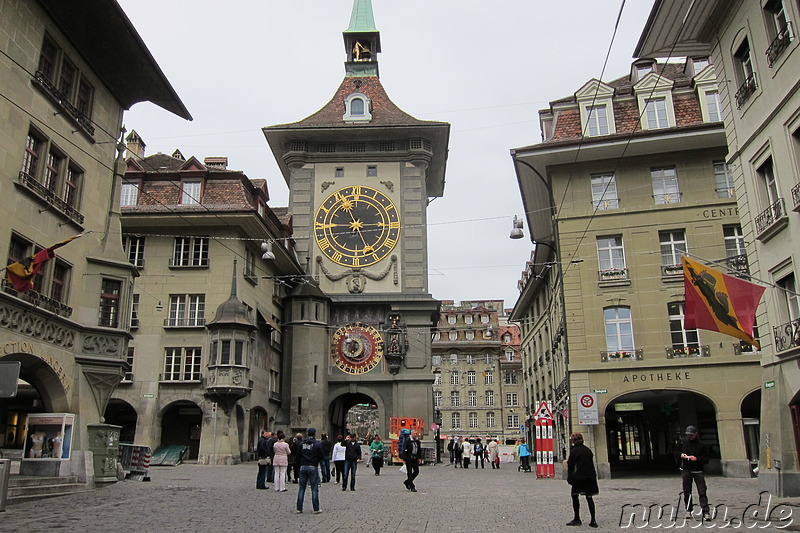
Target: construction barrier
x=136, y=461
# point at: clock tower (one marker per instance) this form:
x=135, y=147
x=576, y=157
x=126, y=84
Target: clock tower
x=361, y=173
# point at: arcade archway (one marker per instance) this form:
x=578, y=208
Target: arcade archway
x=39, y=391
x=643, y=427
x=357, y=413
x=181, y=424
x=121, y=413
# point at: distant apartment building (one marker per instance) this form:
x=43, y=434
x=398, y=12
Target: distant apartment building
x=630, y=176
x=754, y=48
x=477, y=386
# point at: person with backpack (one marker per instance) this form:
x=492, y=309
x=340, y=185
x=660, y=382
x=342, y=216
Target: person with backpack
x=478, y=453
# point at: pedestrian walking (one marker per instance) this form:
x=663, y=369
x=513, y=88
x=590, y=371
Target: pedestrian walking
x=280, y=460
x=352, y=456
x=325, y=465
x=261, y=450
x=582, y=478
x=494, y=455
x=310, y=457
x=692, y=455
x=450, y=450
x=458, y=453
x=412, y=455
x=467, y=452
x=338, y=458
x=376, y=454
x=478, y=450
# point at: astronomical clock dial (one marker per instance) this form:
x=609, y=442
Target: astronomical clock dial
x=357, y=226
x=357, y=348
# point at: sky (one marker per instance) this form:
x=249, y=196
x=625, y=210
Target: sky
x=487, y=68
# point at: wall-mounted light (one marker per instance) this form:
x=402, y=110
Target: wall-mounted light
x=266, y=247
x=159, y=307
x=516, y=228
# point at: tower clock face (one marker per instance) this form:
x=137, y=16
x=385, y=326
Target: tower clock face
x=357, y=226
x=357, y=348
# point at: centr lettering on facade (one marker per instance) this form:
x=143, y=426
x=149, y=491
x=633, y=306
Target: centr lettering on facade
x=669, y=376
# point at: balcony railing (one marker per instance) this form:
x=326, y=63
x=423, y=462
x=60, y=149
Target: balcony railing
x=50, y=197
x=200, y=262
x=667, y=198
x=613, y=274
x=796, y=197
x=607, y=203
x=622, y=355
x=184, y=322
x=38, y=299
x=73, y=112
x=681, y=352
x=672, y=270
x=779, y=43
x=746, y=90
x=787, y=336
x=273, y=395
x=770, y=216
x=739, y=265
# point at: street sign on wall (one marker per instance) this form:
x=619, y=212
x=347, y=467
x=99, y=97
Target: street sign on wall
x=587, y=409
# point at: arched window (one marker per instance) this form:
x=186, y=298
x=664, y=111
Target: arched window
x=357, y=106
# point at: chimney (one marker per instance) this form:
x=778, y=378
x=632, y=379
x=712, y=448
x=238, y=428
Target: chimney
x=216, y=162
x=134, y=145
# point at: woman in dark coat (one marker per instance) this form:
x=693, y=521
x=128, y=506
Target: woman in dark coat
x=582, y=477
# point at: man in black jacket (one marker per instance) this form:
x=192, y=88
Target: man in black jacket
x=310, y=456
x=693, y=454
x=352, y=456
x=261, y=450
x=412, y=455
x=271, y=454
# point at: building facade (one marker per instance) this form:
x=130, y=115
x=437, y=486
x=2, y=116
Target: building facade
x=476, y=366
x=754, y=48
x=630, y=176
x=186, y=224
x=60, y=173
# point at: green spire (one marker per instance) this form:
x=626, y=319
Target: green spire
x=361, y=19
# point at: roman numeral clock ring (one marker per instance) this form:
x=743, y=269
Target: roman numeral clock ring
x=357, y=226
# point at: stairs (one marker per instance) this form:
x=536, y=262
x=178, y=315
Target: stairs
x=27, y=488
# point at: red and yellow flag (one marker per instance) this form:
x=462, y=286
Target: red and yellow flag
x=21, y=273
x=718, y=302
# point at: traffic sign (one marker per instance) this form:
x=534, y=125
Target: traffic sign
x=587, y=409
x=543, y=411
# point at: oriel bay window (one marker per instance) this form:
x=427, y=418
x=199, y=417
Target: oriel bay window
x=228, y=352
x=109, y=303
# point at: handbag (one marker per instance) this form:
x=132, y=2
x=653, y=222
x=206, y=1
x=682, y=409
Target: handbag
x=265, y=461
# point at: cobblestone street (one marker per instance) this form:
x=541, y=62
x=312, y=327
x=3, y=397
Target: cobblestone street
x=190, y=498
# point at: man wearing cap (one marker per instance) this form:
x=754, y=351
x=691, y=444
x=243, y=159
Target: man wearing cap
x=692, y=454
x=311, y=455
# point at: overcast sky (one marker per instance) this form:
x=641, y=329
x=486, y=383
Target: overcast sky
x=484, y=67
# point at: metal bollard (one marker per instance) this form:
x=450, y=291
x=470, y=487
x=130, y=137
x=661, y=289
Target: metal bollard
x=5, y=470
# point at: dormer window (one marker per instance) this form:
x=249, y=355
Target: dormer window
x=654, y=96
x=357, y=108
x=640, y=70
x=595, y=100
x=698, y=64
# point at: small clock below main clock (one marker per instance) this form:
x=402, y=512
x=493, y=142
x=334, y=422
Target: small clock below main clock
x=357, y=226
x=357, y=348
